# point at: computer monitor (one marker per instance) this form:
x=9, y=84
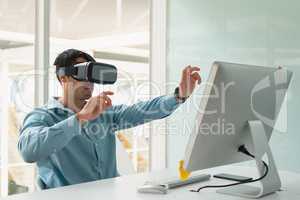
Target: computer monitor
x=240, y=105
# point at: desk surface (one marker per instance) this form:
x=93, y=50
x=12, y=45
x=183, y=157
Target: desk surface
x=125, y=188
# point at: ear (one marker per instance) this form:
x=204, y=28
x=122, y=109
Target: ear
x=64, y=79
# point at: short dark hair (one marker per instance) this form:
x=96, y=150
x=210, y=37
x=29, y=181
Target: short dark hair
x=68, y=58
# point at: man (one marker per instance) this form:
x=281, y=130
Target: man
x=72, y=137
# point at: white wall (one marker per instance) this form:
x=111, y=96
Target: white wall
x=259, y=32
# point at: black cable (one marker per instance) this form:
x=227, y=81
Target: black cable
x=243, y=150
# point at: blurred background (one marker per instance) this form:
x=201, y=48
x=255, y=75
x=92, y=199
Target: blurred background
x=115, y=32
x=254, y=32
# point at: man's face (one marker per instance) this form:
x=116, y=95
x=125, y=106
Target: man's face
x=78, y=90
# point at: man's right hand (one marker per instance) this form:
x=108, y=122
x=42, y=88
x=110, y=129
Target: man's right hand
x=95, y=106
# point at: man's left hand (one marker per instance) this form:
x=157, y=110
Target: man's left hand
x=189, y=78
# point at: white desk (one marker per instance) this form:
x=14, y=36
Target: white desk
x=125, y=188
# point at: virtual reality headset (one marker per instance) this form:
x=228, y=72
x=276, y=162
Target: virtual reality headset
x=94, y=72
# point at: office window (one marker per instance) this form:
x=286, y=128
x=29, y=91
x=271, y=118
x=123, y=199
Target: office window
x=116, y=32
x=17, y=100
x=17, y=91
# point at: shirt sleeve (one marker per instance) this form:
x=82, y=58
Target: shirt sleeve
x=145, y=111
x=38, y=140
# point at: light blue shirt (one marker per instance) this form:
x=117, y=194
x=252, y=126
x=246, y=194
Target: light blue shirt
x=68, y=153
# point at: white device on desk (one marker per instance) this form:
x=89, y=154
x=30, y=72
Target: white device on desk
x=162, y=187
x=246, y=101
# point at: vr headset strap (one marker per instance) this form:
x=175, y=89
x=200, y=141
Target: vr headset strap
x=66, y=71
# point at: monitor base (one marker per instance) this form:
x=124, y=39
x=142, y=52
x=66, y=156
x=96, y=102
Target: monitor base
x=271, y=183
x=245, y=191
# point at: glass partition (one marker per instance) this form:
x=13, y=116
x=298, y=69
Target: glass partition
x=252, y=32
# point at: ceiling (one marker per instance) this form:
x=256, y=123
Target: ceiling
x=78, y=19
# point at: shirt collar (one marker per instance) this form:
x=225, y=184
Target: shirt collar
x=54, y=103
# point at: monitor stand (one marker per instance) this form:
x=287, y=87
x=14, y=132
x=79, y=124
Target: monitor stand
x=271, y=183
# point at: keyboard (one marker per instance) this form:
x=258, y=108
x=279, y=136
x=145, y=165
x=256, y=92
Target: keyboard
x=176, y=182
x=163, y=186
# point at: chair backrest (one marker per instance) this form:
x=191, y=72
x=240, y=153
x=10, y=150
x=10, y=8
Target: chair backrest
x=124, y=163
